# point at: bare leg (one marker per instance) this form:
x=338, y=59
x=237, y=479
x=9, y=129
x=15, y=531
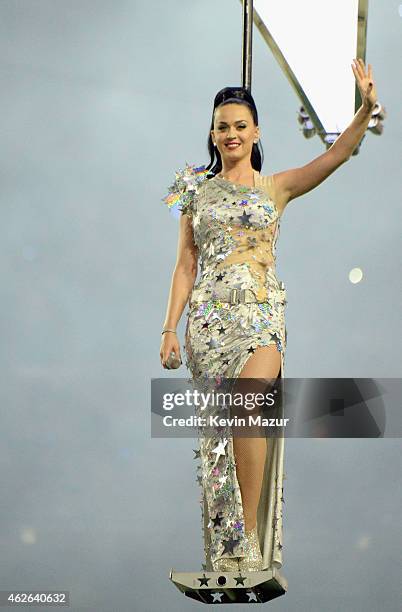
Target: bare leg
x=250, y=453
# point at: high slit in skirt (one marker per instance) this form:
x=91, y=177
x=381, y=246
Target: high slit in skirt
x=219, y=339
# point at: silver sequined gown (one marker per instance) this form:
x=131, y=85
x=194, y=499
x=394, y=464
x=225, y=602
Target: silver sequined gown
x=235, y=228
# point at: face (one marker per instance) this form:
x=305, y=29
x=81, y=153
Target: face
x=234, y=123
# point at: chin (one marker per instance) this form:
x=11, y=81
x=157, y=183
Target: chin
x=234, y=153
x=230, y=155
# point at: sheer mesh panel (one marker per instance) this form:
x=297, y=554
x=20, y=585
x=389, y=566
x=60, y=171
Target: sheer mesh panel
x=254, y=247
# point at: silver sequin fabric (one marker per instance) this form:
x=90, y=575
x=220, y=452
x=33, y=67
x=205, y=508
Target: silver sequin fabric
x=235, y=229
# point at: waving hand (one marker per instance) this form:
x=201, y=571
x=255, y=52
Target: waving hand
x=365, y=83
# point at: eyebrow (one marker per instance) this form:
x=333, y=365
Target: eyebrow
x=238, y=121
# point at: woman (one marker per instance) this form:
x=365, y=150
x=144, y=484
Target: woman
x=235, y=329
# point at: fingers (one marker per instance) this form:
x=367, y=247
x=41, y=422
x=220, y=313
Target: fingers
x=356, y=72
x=358, y=67
x=166, y=351
x=364, y=80
x=361, y=69
x=361, y=65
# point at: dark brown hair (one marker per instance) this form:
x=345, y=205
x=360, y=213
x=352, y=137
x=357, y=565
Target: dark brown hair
x=237, y=95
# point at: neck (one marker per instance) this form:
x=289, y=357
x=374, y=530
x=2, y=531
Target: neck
x=235, y=170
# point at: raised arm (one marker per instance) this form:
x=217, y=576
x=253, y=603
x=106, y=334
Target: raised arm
x=293, y=183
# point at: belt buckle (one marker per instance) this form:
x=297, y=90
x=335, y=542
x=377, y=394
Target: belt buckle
x=238, y=296
x=233, y=296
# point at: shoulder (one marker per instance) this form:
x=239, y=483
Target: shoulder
x=272, y=186
x=182, y=192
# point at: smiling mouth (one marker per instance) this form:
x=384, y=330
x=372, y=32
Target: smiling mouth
x=233, y=145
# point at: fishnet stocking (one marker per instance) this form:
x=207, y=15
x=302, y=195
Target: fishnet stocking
x=250, y=452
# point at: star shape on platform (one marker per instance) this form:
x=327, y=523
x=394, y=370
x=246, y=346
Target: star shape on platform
x=240, y=580
x=217, y=597
x=251, y=596
x=203, y=580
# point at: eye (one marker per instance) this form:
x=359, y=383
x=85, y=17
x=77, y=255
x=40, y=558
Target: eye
x=223, y=127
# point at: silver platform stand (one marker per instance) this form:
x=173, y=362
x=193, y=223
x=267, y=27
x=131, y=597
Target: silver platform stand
x=230, y=587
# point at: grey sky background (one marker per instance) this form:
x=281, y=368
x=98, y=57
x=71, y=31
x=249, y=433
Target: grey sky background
x=101, y=102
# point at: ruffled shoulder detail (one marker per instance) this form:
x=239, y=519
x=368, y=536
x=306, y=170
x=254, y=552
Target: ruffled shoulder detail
x=180, y=197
